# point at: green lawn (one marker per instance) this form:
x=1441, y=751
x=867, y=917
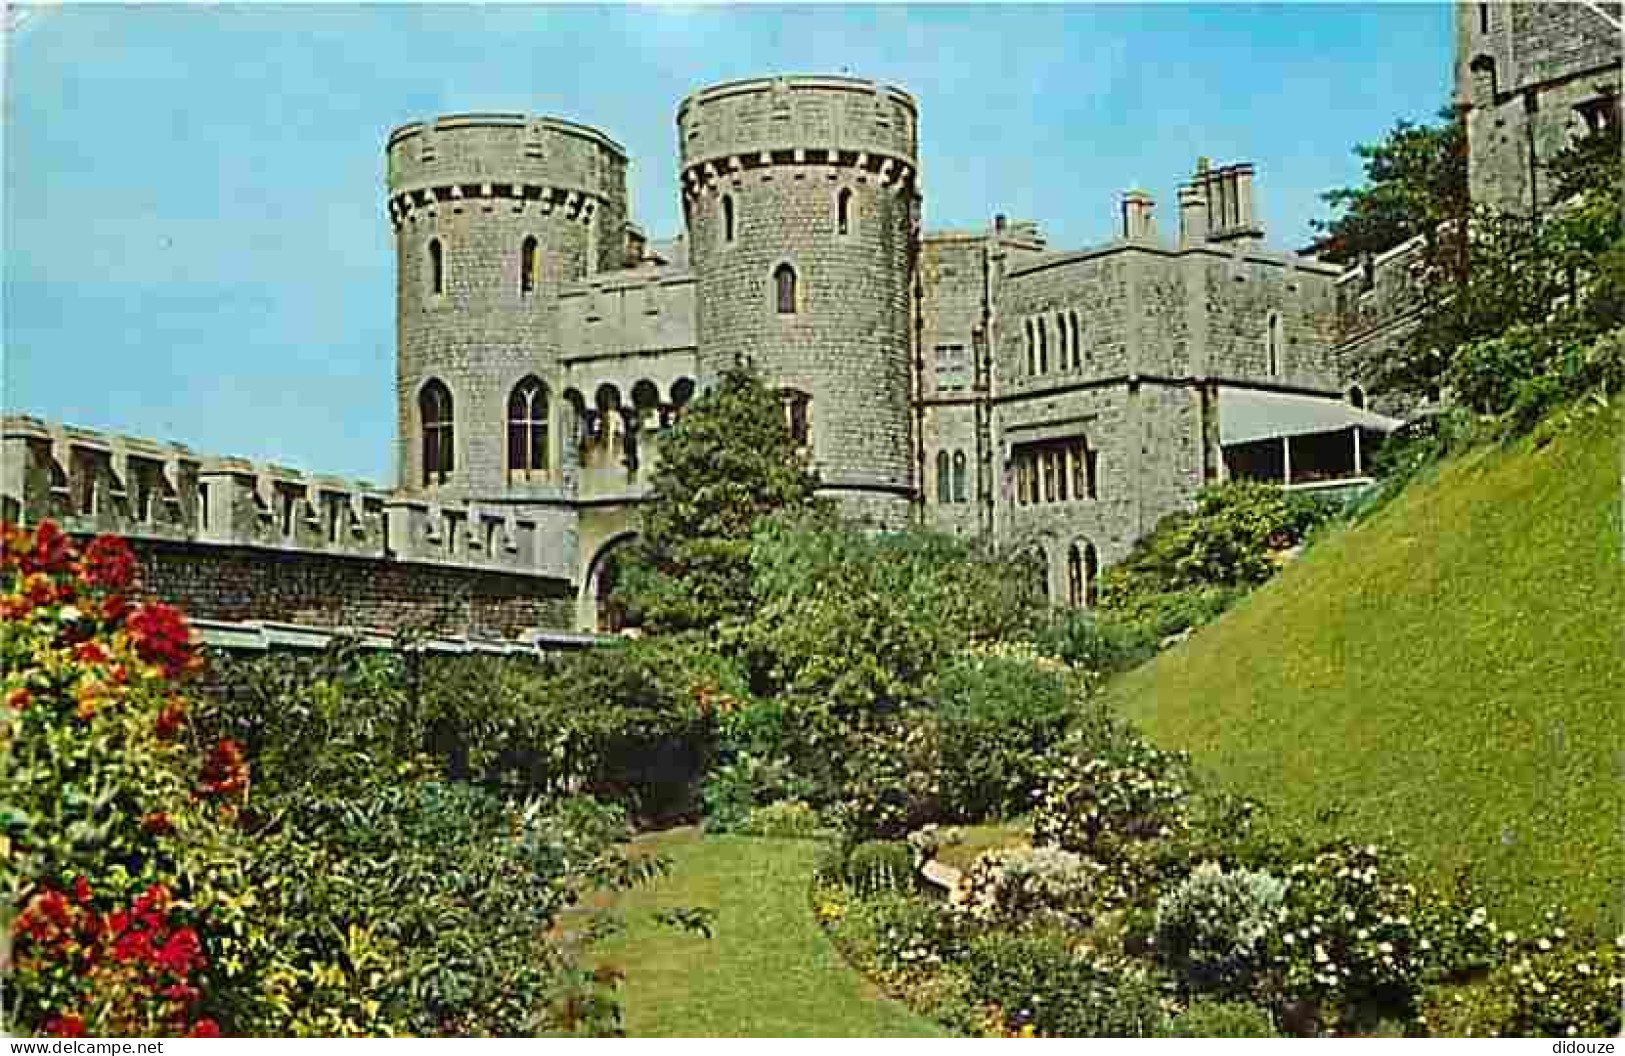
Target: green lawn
x=767, y=971
x=1448, y=673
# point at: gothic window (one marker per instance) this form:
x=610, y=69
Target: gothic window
x=437, y=267
x=959, y=476
x=795, y=415
x=1077, y=342
x=1091, y=459
x=944, y=493
x=1032, y=350
x=1043, y=345
x=1061, y=457
x=843, y=212
x=527, y=426
x=727, y=218
x=435, y=414
x=784, y=286
x=1272, y=342
x=1082, y=568
x=527, y=265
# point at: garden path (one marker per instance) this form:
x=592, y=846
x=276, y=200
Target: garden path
x=767, y=970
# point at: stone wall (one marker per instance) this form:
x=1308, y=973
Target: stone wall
x=330, y=590
x=233, y=539
x=1528, y=75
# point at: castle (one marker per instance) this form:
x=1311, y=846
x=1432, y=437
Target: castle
x=978, y=382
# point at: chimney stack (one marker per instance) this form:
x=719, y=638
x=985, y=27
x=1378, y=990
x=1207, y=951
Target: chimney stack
x=1138, y=222
x=1192, y=215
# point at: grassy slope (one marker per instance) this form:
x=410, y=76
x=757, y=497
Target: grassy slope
x=1448, y=673
x=767, y=971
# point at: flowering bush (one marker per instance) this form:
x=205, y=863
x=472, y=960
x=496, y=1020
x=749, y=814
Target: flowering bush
x=114, y=837
x=1549, y=983
x=1103, y=803
x=880, y=865
x=1030, y=886
x=1212, y=926
x=1222, y=1019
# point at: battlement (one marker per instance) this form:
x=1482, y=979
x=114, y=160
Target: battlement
x=92, y=482
x=832, y=121
x=1381, y=292
x=538, y=162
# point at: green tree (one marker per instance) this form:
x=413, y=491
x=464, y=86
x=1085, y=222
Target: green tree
x=1416, y=179
x=728, y=461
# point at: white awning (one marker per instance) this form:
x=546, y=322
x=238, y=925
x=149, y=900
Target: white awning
x=1246, y=415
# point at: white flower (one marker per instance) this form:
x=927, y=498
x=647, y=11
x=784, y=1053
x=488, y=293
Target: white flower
x=1385, y=947
x=1583, y=968
x=1320, y=956
x=1544, y=945
x=1348, y=914
x=1362, y=934
x=1425, y=944
x=1539, y=987
x=1510, y=936
x=70, y=614
x=1559, y=933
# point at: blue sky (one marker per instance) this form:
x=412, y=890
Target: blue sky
x=195, y=241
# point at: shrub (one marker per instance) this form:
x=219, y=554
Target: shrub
x=734, y=790
x=1038, y=981
x=1222, y=1019
x=996, y=718
x=1083, y=638
x=1551, y=983
x=1102, y=804
x=117, y=828
x=1211, y=927
x=1029, y=887
x=891, y=783
x=786, y=819
x=880, y=865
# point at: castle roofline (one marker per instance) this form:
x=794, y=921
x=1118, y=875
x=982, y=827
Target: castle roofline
x=1061, y=258
x=800, y=80
x=452, y=122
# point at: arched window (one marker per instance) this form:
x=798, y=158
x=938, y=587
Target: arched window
x=437, y=267
x=1082, y=566
x=795, y=416
x=527, y=264
x=727, y=218
x=1272, y=343
x=435, y=416
x=843, y=212
x=784, y=286
x=959, y=476
x=944, y=492
x=1032, y=350
x=527, y=426
x=1357, y=397
x=1077, y=342
x=1066, y=341
x=1043, y=345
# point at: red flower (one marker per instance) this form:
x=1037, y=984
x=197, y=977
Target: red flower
x=52, y=550
x=171, y=718
x=181, y=992
x=108, y=564
x=68, y=1026
x=81, y=890
x=204, y=1028
x=157, y=824
x=181, y=953
x=161, y=637
x=14, y=545
x=19, y=699
x=54, y=906
x=89, y=653
x=14, y=607
x=114, y=608
x=38, y=589
x=224, y=770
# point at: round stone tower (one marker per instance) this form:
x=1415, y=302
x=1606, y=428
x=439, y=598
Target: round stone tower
x=802, y=207
x=492, y=214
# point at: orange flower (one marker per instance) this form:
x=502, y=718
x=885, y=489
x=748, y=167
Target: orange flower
x=18, y=699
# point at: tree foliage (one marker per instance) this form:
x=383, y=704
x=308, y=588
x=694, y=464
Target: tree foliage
x=725, y=464
x=1416, y=178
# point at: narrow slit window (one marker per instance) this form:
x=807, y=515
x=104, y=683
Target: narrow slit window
x=727, y=218
x=843, y=211
x=944, y=494
x=437, y=267
x=1273, y=343
x=527, y=265
x=959, y=476
x=784, y=284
